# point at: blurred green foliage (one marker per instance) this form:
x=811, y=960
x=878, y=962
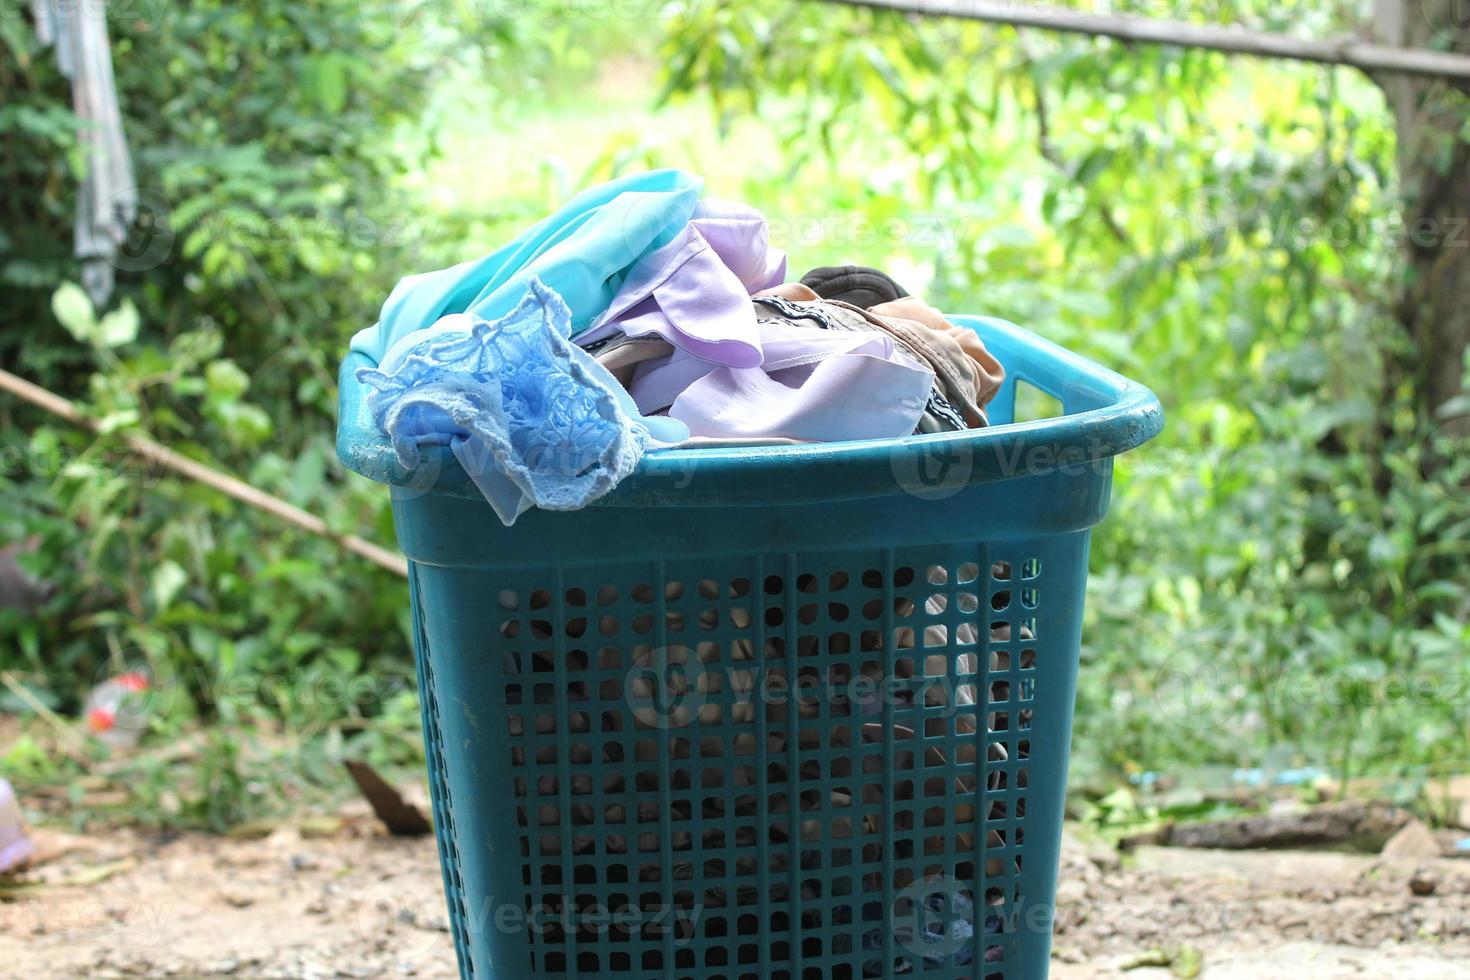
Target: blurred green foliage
x=266, y=136
x=1285, y=576
x=1283, y=580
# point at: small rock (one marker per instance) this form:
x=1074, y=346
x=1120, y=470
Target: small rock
x=320, y=826
x=1099, y=853
x=431, y=923
x=1414, y=841
x=253, y=829
x=304, y=862
x=1068, y=954
x=1423, y=882
x=1070, y=891
x=238, y=899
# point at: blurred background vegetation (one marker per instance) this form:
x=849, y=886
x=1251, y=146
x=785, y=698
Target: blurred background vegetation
x=1282, y=584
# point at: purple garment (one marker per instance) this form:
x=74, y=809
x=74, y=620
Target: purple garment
x=812, y=385
x=695, y=291
x=732, y=376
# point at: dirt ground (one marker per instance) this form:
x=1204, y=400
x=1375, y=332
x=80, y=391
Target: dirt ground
x=337, y=898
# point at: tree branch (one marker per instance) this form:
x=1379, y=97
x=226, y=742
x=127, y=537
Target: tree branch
x=194, y=470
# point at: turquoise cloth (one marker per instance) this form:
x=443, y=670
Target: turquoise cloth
x=582, y=252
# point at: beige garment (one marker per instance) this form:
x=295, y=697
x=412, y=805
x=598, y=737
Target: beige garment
x=968, y=375
x=913, y=308
x=797, y=292
x=967, y=381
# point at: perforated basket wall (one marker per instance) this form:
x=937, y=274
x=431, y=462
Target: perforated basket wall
x=792, y=712
x=808, y=765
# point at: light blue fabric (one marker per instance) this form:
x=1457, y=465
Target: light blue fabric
x=533, y=419
x=582, y=251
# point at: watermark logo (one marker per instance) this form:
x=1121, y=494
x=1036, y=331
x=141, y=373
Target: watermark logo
x=933, y=918
x=1449, y=21
x=1444, y=460
x=134, y=15
x=1196, y=687
x=407, y=912
x=1199, y=226
x=50, y=459
x=931, y=469
x=128, y=691
x=146, y=227
x=667, y=688
x=400, y=21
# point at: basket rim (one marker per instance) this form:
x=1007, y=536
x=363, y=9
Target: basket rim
x=1105, y=414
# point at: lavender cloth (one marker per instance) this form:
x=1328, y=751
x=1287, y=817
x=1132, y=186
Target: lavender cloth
x=695, y=291
x=812, y=385
x=15, y=847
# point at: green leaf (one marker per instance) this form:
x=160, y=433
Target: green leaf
x=1187, y=963
x=74, y=311
x=168, y=579
x=15, y=39
x=247, y=424
x=120, y=326
x=326, y=78
x=120, y=419
x=226, y=381
x=27, y=274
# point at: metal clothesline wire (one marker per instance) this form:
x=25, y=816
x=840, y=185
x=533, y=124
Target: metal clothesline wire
x=1372, y=58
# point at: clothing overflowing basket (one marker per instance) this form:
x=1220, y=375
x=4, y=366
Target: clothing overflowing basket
x=783, y=711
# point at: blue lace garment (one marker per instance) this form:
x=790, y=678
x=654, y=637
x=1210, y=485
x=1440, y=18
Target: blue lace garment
x=533, y=419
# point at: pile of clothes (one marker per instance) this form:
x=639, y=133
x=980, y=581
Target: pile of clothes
x=641, y=316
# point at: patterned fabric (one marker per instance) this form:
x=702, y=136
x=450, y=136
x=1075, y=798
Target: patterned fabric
x=533, y=419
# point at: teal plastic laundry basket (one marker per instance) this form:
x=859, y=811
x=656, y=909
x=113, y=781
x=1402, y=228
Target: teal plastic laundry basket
x=786, y=712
